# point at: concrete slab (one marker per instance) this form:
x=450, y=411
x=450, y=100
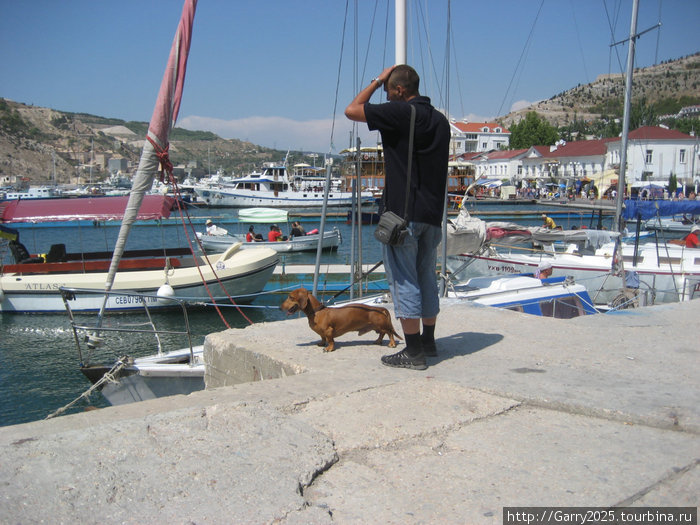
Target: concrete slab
x=516, y=410
x=526, y=456
x=225, y=464
x=375, y=417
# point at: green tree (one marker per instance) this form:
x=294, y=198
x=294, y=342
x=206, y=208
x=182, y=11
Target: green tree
x=533, y=130
x=672, y=184
x=643, y=114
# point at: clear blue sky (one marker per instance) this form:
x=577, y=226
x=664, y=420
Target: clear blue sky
x=266, y=70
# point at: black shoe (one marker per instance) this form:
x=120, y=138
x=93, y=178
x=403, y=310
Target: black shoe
x=403, y=360
x=429, y=349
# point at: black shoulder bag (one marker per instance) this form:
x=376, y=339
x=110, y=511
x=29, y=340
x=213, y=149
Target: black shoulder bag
x=392, y=229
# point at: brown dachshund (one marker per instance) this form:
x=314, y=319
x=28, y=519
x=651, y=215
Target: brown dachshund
x=334, y=322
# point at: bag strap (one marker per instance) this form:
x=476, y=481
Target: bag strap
x=411, y=133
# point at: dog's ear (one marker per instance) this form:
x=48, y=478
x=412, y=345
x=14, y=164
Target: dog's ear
x=301, y=296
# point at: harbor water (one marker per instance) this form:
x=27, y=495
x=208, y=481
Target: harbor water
x=38, y=358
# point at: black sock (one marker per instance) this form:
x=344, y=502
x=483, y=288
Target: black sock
x=428, y=335
x=413, y=344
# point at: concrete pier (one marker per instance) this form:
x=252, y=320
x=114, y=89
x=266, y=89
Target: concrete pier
x=515, y=411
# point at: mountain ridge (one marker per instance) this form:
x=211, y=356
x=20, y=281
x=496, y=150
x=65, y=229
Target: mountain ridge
x=673, y=79
x=34, y=139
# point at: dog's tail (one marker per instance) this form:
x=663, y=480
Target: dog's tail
x=393, y=332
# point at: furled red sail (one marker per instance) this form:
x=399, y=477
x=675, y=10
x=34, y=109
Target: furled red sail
x=156, y=147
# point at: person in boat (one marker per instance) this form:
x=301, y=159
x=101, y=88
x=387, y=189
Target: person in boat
x=297, y=230
x=410, y=267
x=275, y=234
x=251, y=236
x=691, y=240
x=213, y=229
x=544, y=270
x=548, y=222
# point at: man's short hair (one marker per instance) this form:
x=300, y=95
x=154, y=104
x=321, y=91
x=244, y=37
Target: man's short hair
x=405, y=76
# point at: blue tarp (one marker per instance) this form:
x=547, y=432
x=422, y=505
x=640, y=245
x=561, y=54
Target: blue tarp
x=650, y=209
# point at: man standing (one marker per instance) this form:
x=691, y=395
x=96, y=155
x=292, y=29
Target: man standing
x=410, y=267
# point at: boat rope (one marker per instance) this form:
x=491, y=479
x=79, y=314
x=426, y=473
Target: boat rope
x=167, y=167
x=110, y=377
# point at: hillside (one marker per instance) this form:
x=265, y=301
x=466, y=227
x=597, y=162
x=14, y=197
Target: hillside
x=667, y=85
x=33, y=138
x=30, y=135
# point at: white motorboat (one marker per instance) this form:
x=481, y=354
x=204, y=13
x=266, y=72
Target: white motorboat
x=251, y=216
x=674, y=225
x=34, y=287
x=558, y=297
x=273, y=188
x=663, y=273
x=31, y=284
x=307, y=243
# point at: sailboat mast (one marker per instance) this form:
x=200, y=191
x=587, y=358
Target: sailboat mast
x=626, y=119
x=400, y=30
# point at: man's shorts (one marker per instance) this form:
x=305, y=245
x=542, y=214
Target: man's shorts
x=410, y=271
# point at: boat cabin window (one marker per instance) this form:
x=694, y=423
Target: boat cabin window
x=515, y=308
x=669, y=260
x=562, y=308
x=630, y=259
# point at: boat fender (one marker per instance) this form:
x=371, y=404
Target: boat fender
x=313, y=232
x=230, y=251
x=166, y=291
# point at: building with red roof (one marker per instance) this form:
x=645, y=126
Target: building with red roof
x=653, y=154
x=469, y=137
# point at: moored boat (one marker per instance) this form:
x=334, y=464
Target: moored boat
x=660, y=274
x=128, y=379
x=558, y=297
x=272, y=187
x=236, y=273
x=292, y=243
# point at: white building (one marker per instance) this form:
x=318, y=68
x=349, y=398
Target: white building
x=653, y=154
x=469, y=137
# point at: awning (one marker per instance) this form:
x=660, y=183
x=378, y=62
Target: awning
x=604, y=180
x=648, y=184
x=85, y=208
x=262, y=215
x=489, y=183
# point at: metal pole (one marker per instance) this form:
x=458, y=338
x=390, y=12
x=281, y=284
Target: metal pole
x=400, y=29
x=322, y=227
x=626, y=119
